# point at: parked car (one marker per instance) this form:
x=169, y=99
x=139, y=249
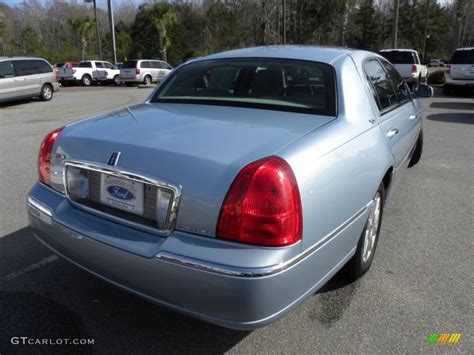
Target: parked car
x=460, y=71
x=64, y=65
x=243, y=183
x=86, y=73
x=144, y=71
x=24, y=77
x=435, y=63
x=407, y=62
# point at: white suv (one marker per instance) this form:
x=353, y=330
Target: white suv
x=460, y=70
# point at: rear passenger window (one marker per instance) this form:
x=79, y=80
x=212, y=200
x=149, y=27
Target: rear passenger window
x=25, y=67
x=463, y=56
x=145, y=64
x=401, y=88
x=42, y=66
x=156, y=65
x=385, y=94
x=6, y=69
x=99, y=65
x=108, y=65
x=85, y=65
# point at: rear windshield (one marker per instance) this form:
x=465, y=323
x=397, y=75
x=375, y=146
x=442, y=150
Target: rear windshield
x=277, y=84
x=398, y=57
x=130, y=64
x=85, y=65
x=463, y=57
x=60, y=65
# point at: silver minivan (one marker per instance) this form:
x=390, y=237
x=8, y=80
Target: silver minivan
x=23, y=77
x=144, y=71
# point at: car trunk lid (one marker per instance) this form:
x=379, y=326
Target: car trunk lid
x=198, y=147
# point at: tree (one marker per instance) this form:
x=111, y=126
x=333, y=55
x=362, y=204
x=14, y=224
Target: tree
x=162, y=23
x=123, y=40
x=368, y=34
x=3, y=35
x=84, y=27
x=30, y=43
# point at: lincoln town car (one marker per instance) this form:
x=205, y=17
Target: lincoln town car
x=243, y=183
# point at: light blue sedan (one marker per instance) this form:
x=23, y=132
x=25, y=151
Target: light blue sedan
x=240, y=186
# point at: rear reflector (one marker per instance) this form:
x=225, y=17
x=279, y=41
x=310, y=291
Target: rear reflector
x=262, y=205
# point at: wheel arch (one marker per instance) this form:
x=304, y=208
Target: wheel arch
x=387, y=180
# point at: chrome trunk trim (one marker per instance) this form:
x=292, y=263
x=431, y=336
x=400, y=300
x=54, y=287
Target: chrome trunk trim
x=163, y=229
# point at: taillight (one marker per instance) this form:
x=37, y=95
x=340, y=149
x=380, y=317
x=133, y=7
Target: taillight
x=263, y=205
x=413, y=68
x=44, y=156
x=448, y=69
x=137, y=71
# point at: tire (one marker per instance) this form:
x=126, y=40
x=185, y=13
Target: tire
x=86, y=80
x=117, y=81
x=46, y=92
x=362, y=260
x=147, y=80
x=415, y=158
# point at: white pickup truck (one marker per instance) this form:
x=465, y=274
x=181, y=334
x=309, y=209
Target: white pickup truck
x=90, y=71
x=407, y=62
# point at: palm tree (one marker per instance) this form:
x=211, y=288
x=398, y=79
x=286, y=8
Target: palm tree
x=167, y=19
x=83, y=26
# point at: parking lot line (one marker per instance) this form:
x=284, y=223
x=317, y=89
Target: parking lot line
x=35, y=266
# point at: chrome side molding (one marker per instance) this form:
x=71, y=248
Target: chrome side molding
x=259, y=272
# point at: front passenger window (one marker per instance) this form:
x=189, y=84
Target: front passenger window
x=385, y=94
x=397, y=81
x=6, y=69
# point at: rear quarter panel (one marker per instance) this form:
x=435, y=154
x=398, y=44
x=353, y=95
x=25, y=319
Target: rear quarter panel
x=340, y=165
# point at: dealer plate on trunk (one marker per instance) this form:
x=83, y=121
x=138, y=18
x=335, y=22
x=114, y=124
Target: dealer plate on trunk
x=126, y=195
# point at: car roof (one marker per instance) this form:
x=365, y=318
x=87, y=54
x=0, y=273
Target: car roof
x=137, y=60
x=21, y=58
x=398, y=50
x=465, y=49
x=325, y=54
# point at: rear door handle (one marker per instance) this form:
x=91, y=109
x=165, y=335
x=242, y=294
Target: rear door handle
x=392, y=132
x=412, y=117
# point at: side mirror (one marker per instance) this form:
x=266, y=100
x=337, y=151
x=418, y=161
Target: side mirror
x=422, y=90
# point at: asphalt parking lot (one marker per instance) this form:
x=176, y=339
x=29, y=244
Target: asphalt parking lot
x=421, y=282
